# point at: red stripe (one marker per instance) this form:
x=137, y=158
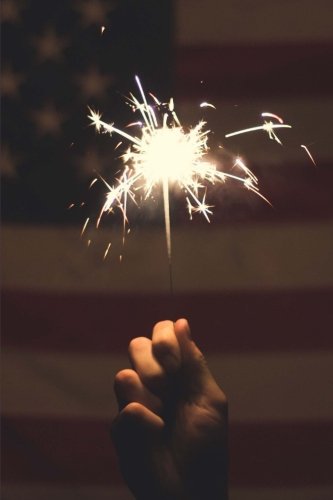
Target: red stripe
x=281, y=455
x=254, y=70
x=226, y=322
x=79, y=451
x=52, y=450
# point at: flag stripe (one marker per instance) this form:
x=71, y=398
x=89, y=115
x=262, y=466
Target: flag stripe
x=210, y=21
x=208, y=258
x=40, y=491
x=265, y=454
x=229, y=322
x=72, y=385
x=245, y=70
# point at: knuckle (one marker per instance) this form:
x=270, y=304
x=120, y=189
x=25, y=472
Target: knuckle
x=163, y=347
x=125, y=378
x=163, y=324
x=136, y=344
x=154, y=379
x=133, y=409
x=167, y=354
x=221, y=402
x=133, y=343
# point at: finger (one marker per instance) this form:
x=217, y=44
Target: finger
x=135, y=422
x=136, y=432
x=129, y=388
x=146, y=365
x=165, y=346
x=195, y=368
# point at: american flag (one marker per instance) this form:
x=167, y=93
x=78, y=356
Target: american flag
x=256, y=284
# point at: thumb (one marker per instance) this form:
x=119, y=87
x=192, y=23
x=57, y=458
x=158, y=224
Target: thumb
x=195, y=369
x=136, y=433
x=135, y=421
x=135, y=428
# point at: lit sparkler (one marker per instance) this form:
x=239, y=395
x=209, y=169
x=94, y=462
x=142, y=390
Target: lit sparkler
x=162, y=154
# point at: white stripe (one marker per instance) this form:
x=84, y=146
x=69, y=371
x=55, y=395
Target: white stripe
x=216, y=22
x=260, y=387
x=206, y=258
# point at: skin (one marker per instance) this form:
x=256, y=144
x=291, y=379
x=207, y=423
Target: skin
x=171, y=430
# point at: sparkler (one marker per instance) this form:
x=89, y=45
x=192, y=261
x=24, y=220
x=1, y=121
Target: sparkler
x=163, y=154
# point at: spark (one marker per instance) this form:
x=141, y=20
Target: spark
x=268, y=127
x=84, y=226
x=272, y=115
x=207, y=105
x=309, y=154
x=162, y=154
x=106, y=251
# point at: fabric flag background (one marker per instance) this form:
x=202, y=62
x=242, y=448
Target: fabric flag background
x=256, y=284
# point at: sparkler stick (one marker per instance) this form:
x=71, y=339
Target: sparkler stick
x=163, y=154
x=166, y=201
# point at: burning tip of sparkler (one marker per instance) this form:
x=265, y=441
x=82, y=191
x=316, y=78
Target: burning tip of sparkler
x=164, y=153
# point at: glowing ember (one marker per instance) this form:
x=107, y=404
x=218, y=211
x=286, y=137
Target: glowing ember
x=309, y=154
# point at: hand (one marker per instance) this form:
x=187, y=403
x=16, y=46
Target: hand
x=171, y=430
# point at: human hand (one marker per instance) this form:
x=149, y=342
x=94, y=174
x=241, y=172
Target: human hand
x=171, y=430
